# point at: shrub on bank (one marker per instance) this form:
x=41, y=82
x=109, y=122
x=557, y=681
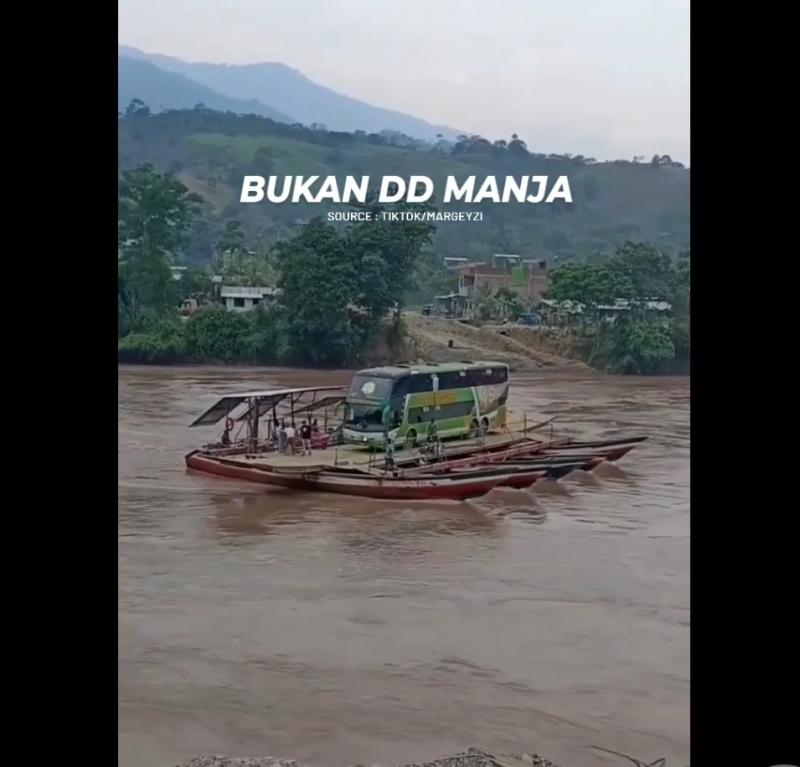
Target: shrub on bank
x=633, y=347
x=217, y=335
x=262, y=340
x=645, y=347
x=158, y=341
x=210, y=335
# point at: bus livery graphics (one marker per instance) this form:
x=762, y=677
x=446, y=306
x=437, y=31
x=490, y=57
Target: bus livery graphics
x=399, y=402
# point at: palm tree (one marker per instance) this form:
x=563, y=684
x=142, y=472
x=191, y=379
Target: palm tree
x=486, y=307
x=508, y=304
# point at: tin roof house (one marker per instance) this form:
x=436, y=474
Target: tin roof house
x=237, y=298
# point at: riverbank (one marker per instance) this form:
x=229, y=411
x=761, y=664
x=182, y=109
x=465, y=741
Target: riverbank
x=254, y=338
x=259, y=338
x=561, y=349
x=473, y=757
x=435, y=339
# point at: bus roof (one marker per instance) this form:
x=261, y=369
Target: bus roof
x=396, y=371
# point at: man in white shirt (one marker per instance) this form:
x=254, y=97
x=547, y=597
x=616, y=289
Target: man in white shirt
x=290, y=438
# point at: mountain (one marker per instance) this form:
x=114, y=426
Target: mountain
x=210, y=152
x=292, y=92
x=160, y=90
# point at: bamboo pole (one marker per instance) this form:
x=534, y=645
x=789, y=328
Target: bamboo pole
x=254, y=425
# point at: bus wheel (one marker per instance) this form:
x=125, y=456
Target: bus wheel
x=411, y=438
x=474, y=429
x=485, y=425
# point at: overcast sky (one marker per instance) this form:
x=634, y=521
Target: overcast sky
x=602, y=78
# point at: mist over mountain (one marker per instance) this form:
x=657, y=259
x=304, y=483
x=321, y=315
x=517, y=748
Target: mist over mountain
x=160, y=90
x=290, y=92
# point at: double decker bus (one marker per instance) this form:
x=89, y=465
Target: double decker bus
x=398, y=402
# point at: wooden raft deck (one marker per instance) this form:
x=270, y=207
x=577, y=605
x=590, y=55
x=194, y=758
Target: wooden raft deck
x=358, y=457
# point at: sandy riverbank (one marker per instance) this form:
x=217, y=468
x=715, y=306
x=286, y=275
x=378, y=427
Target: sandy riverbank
x=435, y=339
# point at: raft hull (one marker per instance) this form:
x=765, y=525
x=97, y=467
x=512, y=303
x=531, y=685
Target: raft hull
x=365, y=485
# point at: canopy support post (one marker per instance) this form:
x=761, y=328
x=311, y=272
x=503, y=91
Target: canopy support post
x=254, y=425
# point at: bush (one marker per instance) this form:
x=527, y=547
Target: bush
x=157, y=341
x=210, y=335
x=217, y=335
x=643, y=346
x=261, y=342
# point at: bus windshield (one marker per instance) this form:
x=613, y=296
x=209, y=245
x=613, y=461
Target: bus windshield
x=370, y=387
x=364, y=417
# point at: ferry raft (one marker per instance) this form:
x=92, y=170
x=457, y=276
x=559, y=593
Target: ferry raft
x=455, y=469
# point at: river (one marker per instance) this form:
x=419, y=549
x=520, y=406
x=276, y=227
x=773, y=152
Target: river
x=337, y=630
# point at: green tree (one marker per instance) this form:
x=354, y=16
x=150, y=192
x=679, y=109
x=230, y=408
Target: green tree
x=509, y=306
x=430, y=279
x=137, y=108
x=157, y=340
x=154, y=215
x=681, y=309
x=637, y=272
x=262, y=340
x=231, y=249
x=648, y=271
x=254, y=270
x=589, y=284
x=125, y=315
x=643, y=346
x=683, y=272
x=197, y=282
x=318, y=284
x=386, y=254
x=338, y=287
x=517, y=146
x=486, y=305
x=215, y=334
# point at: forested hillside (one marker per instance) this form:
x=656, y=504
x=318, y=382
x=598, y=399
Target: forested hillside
x=211, y=151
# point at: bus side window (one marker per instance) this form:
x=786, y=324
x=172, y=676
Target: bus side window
x=454, y=410
x=420, y=415
x=452, y=380
x=420, y=383
x=475, y=378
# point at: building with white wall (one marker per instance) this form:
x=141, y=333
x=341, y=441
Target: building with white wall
x=237, y=298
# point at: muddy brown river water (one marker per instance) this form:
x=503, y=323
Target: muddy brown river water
x=338, y=630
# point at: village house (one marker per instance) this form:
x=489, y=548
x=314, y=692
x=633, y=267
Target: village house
x=453, y=262
x=527, y=278
x=569, y=312
x=453, y=305
x=621, y=307
x=237, y=298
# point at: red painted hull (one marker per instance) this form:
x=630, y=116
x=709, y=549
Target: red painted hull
x=520, y=481
x=389, y=488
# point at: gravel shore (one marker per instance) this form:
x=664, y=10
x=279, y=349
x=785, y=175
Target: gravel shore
x=473, y=757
